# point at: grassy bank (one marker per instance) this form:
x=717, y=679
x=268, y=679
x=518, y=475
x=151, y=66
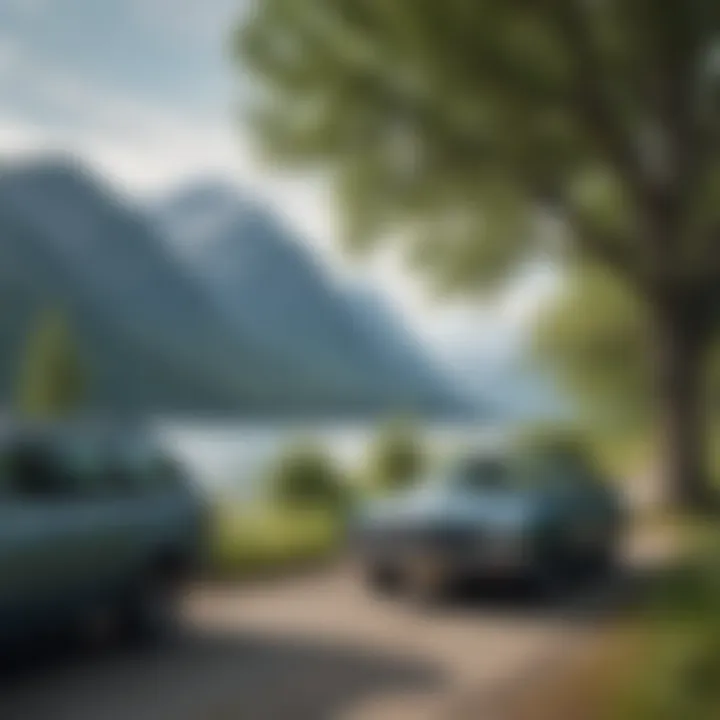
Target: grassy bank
x=660, y=660
x=263, y=540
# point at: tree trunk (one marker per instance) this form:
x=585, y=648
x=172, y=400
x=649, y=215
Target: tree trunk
x=681, y=349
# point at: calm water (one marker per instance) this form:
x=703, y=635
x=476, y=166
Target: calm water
x=232, y=458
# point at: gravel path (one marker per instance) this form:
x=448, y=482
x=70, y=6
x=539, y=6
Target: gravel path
x=321, y=647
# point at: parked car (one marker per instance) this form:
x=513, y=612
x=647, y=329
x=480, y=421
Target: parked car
x=98, y=530
x=517, y=514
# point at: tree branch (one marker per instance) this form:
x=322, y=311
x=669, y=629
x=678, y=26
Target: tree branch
x=610, y=248
x=593, y=97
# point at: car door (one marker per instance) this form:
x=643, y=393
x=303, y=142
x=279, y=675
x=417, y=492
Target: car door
x=107, y=515
x=587, y=517
x=129, y=513
x=83, y=458
x=38, y=565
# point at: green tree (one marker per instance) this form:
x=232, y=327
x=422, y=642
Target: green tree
x=454, y=126
x=52, y=379
x=396, y=457
x=561, y=444
x=305, y=476
x=594, y=339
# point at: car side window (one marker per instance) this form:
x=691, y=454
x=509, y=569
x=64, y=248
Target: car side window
x=483, y=474
x=122, y=476
x=82, y=461
x=5, y=481
x=35, y=471
x=139, y=472
x=166, y=475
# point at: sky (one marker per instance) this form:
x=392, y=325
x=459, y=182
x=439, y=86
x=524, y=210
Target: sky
x=143, y=90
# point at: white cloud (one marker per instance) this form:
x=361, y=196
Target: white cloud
x=147, y=149
x=17, y=137
x=144, y=146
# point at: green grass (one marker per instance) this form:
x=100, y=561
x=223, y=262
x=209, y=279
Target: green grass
x=265, y=540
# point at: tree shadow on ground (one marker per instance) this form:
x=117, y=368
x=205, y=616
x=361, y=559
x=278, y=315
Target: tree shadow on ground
x=210, y=676
x=585, y=600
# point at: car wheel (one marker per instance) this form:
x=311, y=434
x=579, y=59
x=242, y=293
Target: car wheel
x=603, y=562
x=424, y=581
x=550, y=578
x=383, y=578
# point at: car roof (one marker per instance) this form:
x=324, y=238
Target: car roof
x=106, y=432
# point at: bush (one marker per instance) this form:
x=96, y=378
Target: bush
x=52, y=383
x=304, y=476
x=566, y=444
x=396, y=459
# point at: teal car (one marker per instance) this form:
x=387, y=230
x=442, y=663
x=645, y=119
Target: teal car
x=98, y=530
x=531, y=516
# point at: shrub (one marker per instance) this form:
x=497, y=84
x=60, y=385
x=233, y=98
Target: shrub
x=397, y=458
x=53, y=378
x=304, y=476
x=565, y=444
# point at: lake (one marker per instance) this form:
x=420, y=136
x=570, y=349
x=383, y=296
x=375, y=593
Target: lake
x=230, y=459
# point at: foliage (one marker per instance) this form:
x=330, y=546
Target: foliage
x=556, y=440
x=594, y=339
x=396, y=458
x=450, y=126
x=460, y=118
x=52, y=381
x=304, y=476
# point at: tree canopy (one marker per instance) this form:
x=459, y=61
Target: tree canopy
x=593, y=338
x=452, y=122
x=396, y=457
x=306, y=476
x=464, y=128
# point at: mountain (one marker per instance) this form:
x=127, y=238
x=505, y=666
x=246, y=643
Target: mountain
x=151, y=338
x=151, y=326
x=401, y=353
x=265, y=279
x=506, y=383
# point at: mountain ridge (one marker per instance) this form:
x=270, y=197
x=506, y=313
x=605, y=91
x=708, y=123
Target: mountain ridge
x=158, y=327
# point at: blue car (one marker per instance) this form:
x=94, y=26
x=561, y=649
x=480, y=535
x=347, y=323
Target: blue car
x=97, y=530
x=529, y=515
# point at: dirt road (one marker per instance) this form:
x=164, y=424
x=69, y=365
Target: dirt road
x=319, y=647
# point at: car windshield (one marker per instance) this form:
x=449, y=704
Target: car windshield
x=512, y=472
x=481, y=474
